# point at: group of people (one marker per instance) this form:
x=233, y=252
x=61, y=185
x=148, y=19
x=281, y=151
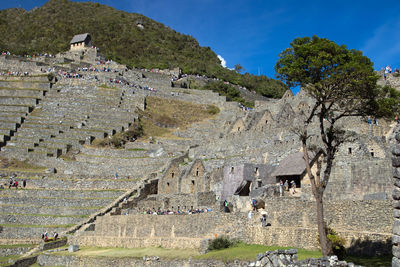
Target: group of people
x=388, y=70
x=177, y=212
x=284, y=186
x=14, y=183
x=375, y=120
x=14, y=73
x=70, y=75
x=45, y=236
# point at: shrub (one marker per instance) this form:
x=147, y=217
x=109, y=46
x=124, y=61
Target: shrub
x=336, y=242
x=220, y=243
x=120, y=139
x=211, y=109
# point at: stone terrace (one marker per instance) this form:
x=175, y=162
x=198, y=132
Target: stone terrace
x=52, y=203
x=70, y=117
x=18, y=97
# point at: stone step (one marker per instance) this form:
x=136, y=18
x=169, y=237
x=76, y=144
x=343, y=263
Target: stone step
x=5, y=131
x=12, y=114
x=8, y=125
x=39, y=132
x=13, y=119
x=30, y=78
x=30, y=209
x=11, y=108
x=46, y=182
x=25, y=153
x=25, y=232
x=25, y=84
x=37, y=93
x=19, y=218
x=50, y=201
x=29, y=101
x=56, y=193
x=55, y=151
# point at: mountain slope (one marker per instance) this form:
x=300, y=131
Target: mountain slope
x=51, y=27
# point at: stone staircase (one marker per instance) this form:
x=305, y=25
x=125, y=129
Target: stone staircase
x=18, y=97
x=70, y=117
x=52, y=204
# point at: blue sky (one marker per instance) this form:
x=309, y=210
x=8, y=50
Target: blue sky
x=253, y=32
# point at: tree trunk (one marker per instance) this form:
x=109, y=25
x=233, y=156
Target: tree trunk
x=318, y=192
x=326, y=247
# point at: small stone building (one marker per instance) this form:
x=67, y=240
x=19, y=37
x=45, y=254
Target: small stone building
x=242, y=179
x=293, y=168
x=81, y=41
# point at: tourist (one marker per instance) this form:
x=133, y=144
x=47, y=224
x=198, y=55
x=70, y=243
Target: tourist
x=24, y=183
x=286, y=185
x=281, y=185
x=55, y=235
x=254, y=204
x=116, y=176
x=293, y=186
x=226, y=210
x=249, y=215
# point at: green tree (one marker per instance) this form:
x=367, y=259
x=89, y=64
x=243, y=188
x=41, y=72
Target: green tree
x=239, y=68
x=342, y=83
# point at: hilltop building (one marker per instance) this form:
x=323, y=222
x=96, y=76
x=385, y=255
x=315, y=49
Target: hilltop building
x=81, y=41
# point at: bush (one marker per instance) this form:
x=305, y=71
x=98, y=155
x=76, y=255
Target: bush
x=220, y=243
x=120, y=139
x=336, y=242
x=211, y=109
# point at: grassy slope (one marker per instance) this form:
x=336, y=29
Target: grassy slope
x=180, y=114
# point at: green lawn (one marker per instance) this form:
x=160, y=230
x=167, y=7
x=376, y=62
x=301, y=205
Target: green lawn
x=249, y=252
x=382, y=261
x=132, y=252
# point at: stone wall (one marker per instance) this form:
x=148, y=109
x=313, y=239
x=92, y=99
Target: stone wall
x=51, y=260
x=396, y=204
x=293, y=224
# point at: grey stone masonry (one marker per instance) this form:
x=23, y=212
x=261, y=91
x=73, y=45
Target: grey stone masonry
x=288, y=257
x=396, y=203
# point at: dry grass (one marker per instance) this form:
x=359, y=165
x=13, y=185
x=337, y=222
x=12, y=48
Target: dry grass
x=163, y=116
x=16, y=165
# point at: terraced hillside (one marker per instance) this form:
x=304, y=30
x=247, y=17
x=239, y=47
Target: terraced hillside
x=18, y=97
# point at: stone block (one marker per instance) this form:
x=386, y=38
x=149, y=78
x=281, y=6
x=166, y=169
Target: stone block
x=396, y=251
x=396, y=204
x=395, y=239
x=396, y=194
x=73, y=248
x=396, y=150
x=395, y=262
x=396, y=227
x=396, y=173
x=395, y=161
x=396, y=213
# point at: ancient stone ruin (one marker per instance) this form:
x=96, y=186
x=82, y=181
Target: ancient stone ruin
x=53, y=108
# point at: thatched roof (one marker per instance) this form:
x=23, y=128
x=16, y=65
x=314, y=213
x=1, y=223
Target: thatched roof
x=294, y=164
x=79, y=38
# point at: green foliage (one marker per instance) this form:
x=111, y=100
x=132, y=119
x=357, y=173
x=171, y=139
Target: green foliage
x=51, y=27
x=337, y=242
x=220, y=243
x=211, y=109
x=120, y=139
x=334, y=74
x=231, y=93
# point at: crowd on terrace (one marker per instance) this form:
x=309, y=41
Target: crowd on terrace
x=176, y=212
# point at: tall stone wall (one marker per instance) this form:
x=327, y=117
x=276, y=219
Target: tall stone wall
x=396, y=204
x=365, y=224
